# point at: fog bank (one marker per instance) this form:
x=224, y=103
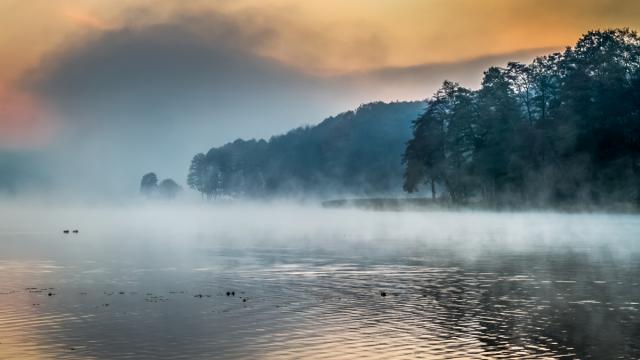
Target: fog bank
x=280, y=225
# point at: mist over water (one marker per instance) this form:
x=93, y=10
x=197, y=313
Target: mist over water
x=151, y=280
x=295, y=224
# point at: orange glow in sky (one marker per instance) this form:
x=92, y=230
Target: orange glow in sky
x=320, y=37
x=329, y=35
x=23, y=121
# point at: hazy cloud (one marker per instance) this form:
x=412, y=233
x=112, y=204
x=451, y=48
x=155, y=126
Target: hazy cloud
x=421, y=81
x=148, y=98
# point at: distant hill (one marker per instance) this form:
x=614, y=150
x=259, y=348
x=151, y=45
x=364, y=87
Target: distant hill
x=356, y=152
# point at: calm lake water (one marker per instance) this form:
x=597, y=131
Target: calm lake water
x=148, y=283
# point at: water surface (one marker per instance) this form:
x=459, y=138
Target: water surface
x=143, y=283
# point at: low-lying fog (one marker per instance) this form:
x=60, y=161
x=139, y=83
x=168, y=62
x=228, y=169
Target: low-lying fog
x=295, y=225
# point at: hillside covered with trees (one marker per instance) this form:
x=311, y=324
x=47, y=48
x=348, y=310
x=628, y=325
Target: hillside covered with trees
x=564, y=129
x=356, y=152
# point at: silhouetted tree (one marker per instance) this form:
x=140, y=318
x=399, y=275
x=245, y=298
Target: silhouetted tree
x=564, y=129
x=149, y=184
x=496, y=155
x=198, y=177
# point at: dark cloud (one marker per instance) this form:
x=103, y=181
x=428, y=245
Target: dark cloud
x=176, y=54
x=147, y=98
x=167, y=66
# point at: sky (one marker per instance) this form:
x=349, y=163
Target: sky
x=142, y=85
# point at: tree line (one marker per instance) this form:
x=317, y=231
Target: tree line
x=356, y=152
x=564, y=129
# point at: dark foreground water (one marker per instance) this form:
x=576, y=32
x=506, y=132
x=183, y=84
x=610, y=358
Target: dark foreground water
x=116, y=296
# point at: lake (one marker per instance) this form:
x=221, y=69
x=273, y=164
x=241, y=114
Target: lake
x=291, y=281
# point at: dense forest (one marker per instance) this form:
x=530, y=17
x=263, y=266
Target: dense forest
x=564, y=129
x=356, y=152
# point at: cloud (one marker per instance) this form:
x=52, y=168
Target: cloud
x=421, y=81
x=176, y=54
x=195, y=75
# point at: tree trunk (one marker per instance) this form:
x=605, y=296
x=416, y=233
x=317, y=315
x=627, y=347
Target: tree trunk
x=433, y=189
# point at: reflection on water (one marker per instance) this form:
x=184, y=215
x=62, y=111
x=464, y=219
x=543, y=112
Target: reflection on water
x=117, y=299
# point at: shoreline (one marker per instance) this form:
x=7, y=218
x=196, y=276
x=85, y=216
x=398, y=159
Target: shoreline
x=428, y=204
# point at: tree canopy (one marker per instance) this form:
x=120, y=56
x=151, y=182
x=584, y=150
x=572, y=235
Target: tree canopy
x=563, y=129
x=169, y=189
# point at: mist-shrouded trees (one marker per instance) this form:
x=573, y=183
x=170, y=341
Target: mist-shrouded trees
x=150, y=187
x=197, y=178
x=149, y=184
x=352, y=153
x=169, y=189
x=563, y=129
